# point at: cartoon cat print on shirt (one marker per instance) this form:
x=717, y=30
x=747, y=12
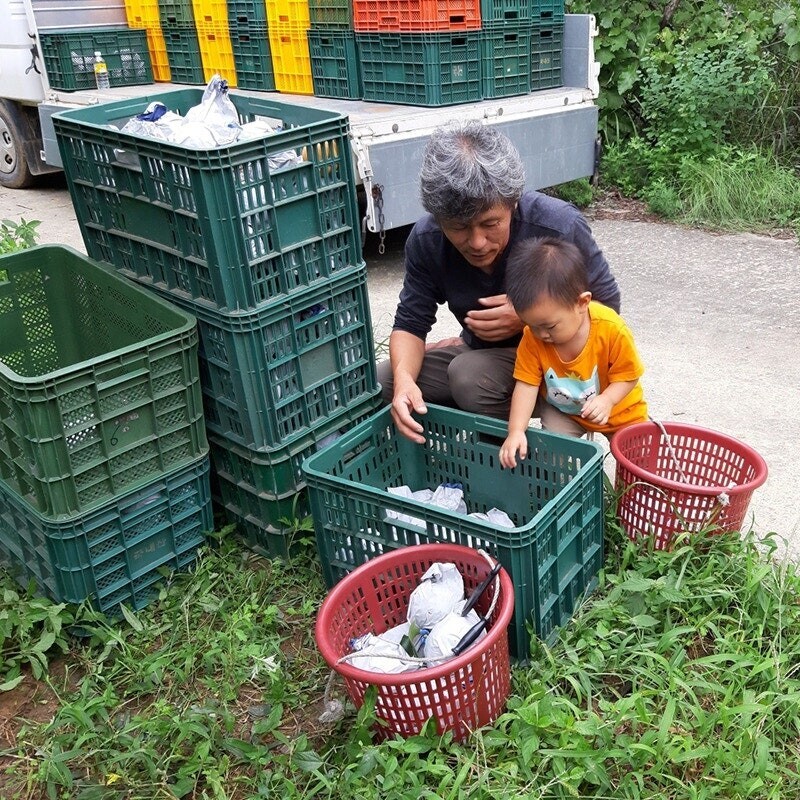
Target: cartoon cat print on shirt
x=570, y=393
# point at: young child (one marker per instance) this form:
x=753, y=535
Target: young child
x=576, y=356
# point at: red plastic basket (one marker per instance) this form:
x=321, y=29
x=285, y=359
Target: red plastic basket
x=461, y=694
x=704, y=481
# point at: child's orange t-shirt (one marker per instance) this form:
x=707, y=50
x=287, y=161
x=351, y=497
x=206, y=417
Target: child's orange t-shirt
x=609, y=356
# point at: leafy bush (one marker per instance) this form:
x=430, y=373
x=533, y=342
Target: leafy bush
x=17, y=235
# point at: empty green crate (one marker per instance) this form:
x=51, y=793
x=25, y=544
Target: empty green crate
x=335, y=68
x=547, y=12
x=99, y=382
x=244, y=14
x=506, y=54
x=331, y=13
x=554, y=497
x=495, y=13
x=229, y=228
x=427, y=69
x=253, y=58
x=117, y=553
x=547, y=43
x=69, y=56
x=183, y=56
x=271, y=377
x=175, y=13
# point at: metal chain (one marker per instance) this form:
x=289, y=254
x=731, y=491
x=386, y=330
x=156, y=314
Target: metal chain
x=377, y=196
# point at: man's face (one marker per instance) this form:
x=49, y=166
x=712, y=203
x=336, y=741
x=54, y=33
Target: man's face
x=482, y=239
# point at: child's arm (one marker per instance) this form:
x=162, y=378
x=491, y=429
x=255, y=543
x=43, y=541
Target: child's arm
x=597, y=409
x=523, y=401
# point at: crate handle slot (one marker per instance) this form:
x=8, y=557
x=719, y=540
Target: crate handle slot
x=457, y=19
x=492, y=439
x=127, y=160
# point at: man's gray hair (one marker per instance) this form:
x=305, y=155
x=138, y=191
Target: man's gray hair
x=467, y=168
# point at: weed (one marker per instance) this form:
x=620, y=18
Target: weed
x=17, y=235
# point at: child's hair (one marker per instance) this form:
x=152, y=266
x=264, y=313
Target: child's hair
x=545, y=267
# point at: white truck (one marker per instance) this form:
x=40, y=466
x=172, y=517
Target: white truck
x=555, y=130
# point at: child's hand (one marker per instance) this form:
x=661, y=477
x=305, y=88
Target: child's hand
x=597, y=410
x=516, y=442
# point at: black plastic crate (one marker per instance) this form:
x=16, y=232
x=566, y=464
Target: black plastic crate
x=69, y=57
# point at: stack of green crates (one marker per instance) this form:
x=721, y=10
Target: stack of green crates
x=260, y=242
x=180, y=38
x=247, y=23
x=335, y=62
x=104, y=468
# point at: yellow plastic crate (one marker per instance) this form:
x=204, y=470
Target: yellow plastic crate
x=291, y=60
x=288, y=12
x=158, y=54
x=216, y=52
x=210, y=13
x=142, y=14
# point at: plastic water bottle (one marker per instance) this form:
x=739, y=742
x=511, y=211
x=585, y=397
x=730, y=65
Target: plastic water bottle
x=101, y=71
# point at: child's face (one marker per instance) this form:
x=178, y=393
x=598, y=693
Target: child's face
x=554, y=322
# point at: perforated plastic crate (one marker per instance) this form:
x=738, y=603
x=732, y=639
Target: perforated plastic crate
x=158, y=54
x=183, y=55
x=210, y=13
x=291, y=60
x=176, y=13
x=506, y=53
x=69, y=56
x=253, y=58
x=244, y=14
x=228, y=229
x=117, y=553
x=547, y=44
x=547, y=12
x=331, y=13
x=270, y=377
x=427, y=69
x=216, y=52
x=293, y=13
x=416, y=16
x=554, y=497
x=496, y=13
x=142, y=13
x=334, y=63
x=99, y=382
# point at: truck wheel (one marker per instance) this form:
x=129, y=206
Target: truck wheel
x=15, y=173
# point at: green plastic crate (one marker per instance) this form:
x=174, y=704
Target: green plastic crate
x=547, y=12
x=222, y=228
x=506, y=54
x=69, y=56
x=99, y=382
x=496, y=13
x=253, y=58
x=555, y=498
x=331, y=13
x=426, y=69
x=247, y=14
x=183, y=56
x=117, y=553
x=335, y=68
x=257, y=535
x=272, y=377
x=547, y=44
x=175, y=13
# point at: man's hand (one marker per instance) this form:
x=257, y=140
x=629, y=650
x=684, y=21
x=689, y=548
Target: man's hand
x=408, y=398
x=453, y=341
x=496, y=321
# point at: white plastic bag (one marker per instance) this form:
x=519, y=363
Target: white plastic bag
x=383, y=653
x=496, y=516
x=447, y=633
x=440, y=589
x=214, y=116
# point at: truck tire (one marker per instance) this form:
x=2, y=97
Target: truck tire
x=15, y=172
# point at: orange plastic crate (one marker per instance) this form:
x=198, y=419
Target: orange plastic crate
x=292, y=13
x=394, y=16
x=216, y=52
x=210, y=13
x=291, y=60
x=142, y=14
x=158, y=54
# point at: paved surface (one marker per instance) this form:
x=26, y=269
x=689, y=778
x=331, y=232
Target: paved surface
x=716, y=318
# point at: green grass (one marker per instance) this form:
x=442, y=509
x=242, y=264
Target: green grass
x=679, y=678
